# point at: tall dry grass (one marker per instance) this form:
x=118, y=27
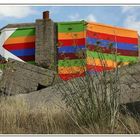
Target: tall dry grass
x=16, y=117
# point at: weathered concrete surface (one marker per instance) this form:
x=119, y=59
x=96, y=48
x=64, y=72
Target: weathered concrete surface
x=19, y=78
x=46, y=44
x=19, y=25
x=49, y=97
x=130, y=83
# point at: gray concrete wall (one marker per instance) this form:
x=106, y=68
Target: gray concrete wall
x=19, y=78
x=46, y=44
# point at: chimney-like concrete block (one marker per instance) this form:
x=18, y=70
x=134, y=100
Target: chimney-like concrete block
x=46, y=43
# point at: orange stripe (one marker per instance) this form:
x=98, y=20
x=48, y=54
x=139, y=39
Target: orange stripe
x=71, y=70
x=107, y=63
x=111, y=30
x=72, y=35
x=20, y=40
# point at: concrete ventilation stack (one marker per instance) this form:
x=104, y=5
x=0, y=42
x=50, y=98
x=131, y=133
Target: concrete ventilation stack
x=45, y=54
x=46, y=15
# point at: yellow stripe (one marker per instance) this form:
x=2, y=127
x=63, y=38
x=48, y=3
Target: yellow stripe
x=20, y=40
x=111, y=30
x=71, y=70
x=107, y=63
x=72, y=35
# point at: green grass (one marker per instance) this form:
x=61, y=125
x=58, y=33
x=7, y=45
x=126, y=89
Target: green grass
x=2, y=66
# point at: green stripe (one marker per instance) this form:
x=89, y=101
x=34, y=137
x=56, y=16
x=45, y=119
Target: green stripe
x=69, y=63
x=106, y=56
x=31, y=62
x=71, y=27
x=24, y=32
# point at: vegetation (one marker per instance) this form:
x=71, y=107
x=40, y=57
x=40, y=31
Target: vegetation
x=16, y=117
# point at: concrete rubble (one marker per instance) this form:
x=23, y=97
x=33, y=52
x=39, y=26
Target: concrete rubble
x=20, y=78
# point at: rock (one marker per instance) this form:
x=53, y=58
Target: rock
x=19, y=77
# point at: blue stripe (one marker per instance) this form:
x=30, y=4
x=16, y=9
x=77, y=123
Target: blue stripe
x=105, y=43
x=71, y=49
x=24, y=52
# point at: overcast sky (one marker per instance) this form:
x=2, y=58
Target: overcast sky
x=124, y=16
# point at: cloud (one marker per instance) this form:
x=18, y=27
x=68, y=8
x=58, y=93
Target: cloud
x=90, y=17
x=132, y=19
x=132, y=22
x=54, y=10
x=127, y=9
x=77, y=16
x=16, y=11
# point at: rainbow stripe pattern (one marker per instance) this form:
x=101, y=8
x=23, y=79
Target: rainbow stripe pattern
x=71, y=47
x=82, y=47
x=21, y=43
x=109, y=46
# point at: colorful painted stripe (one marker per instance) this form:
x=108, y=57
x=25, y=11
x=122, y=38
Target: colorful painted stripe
x=31, y=62
x=71, y=42
x=105, y=63
x=16, y=40
x=63, y=56
x=23, y=32
x=118, y=45
x=71, y=76
x=74, y=62
x=101, y=28
x=117, y=58
x=71, y=26
x=71, y=49
x=97, y=68
x=24, y=52
x=19, y=46
x=71, y=70
x=27, y=58
x=112, y=38
x=71, y=35
x=112, y=50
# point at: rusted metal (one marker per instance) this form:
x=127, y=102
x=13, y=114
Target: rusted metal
x=46, y=15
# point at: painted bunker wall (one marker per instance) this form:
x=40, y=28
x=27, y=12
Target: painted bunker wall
x=72, y=43
x=18, y=43
x=82, y=46
x=116, y=45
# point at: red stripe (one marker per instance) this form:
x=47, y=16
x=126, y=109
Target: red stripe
x=97, y=68
x=62, y=56
x=27, y=58
x=107, y=50
x=71, y=42
x=113, y=38
x=19, y=46
x=70, y=76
